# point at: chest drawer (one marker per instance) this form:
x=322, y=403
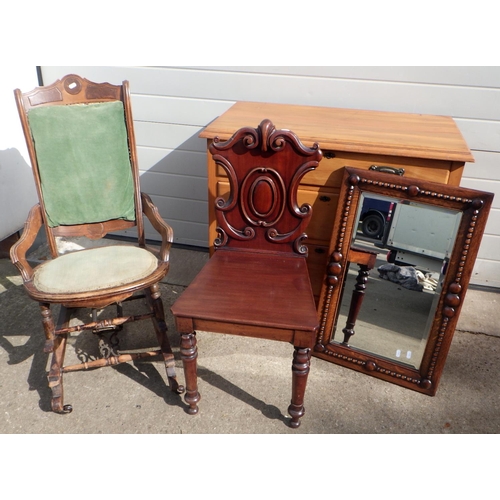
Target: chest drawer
x=330, y=170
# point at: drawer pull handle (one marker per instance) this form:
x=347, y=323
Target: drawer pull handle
x=329, y=155
x=324, y=198
x=388, y=170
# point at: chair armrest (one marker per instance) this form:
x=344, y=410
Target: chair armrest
x=18, y=251
x=167, y=234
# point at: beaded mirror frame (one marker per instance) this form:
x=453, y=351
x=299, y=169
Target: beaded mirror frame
x=474, y=207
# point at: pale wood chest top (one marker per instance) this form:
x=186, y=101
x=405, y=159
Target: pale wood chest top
x=362, y=131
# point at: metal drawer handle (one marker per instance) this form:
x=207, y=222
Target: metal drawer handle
x=388, y=170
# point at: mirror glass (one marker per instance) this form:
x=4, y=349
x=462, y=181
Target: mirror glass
x=413, y=243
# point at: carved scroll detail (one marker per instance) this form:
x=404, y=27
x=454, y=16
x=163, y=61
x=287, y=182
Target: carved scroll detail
x=220, y=203
x=267, y=137
x=262, y=198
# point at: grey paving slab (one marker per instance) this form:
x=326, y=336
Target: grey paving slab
x=245, y=383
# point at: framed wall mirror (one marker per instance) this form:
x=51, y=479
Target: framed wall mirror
x=400, y=261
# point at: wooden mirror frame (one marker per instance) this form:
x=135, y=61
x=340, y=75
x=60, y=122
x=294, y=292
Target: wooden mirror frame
x=474, y=206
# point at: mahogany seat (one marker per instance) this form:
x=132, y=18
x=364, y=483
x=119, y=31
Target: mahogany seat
x=268, y=292
x=81, y=143
x=256, y=284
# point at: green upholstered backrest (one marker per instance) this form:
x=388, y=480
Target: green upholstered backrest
x=83, y=162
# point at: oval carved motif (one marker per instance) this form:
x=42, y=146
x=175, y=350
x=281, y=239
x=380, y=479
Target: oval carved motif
x=262, y=196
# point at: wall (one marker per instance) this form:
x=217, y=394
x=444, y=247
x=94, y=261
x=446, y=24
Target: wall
x=17, y=188
x=171, y=105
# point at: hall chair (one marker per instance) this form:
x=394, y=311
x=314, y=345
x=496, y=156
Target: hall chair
x=256, y=283
x=81, y=144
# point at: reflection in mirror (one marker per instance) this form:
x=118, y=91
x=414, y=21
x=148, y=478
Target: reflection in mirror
x=400, y=259
x=412, y=243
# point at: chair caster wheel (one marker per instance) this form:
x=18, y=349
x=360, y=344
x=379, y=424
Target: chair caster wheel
x=57, y=407
x=66, y=409
x=175, y=386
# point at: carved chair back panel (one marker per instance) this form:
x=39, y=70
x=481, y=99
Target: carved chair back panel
x=264, y=167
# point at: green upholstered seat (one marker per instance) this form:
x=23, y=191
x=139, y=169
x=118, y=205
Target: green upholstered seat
x=94, y=269
x=83, y=160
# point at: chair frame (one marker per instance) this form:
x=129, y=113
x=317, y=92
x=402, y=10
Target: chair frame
x=73, y=89
x=260, y=224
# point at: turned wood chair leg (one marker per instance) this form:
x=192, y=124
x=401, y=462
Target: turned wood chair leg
x=48, y=327
x=358, y=295
x=160, y=326
x=300, y=370
x=55, y=376
x=189, y=355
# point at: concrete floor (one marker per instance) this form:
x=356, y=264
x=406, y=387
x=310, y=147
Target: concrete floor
x=245, y=383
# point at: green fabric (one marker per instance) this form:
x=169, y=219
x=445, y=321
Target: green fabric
x=84, y=163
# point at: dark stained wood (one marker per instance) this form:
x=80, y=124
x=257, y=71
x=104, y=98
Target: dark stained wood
x=366, y=262
x=55, y=375
x=70, y=90
x=300, y=369
x=189, y=355
x=243, y=276
x=257, y=283
x=474, y=206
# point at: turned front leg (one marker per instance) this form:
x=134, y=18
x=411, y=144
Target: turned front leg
x=160, y=327
x=300, y=370
x=49, y=327
x=189, y=355
x=55, y=375
x=357, y=299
